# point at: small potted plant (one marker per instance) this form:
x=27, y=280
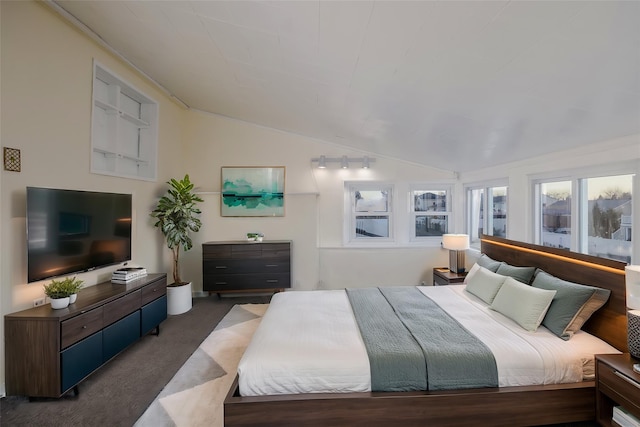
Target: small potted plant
x=255, y=237
x=72, y=286
x=60, y=291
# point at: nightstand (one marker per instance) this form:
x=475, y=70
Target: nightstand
x=616, y=384
x=443, y=276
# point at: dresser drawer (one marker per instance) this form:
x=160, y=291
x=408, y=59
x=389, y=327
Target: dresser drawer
x=245, y=266
x=276, y=250
x=153, y=291
x=247, y=281
x=81, y=326
x=216, y=251
x=116, y=310
x=621, y=388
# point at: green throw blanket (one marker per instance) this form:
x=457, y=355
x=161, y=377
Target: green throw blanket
x=413, y=344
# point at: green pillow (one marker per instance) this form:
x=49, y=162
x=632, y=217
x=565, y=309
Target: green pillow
x=484, y=284
x=522, y=303
x=572, y=306
x=522, y=274
x=488, y=263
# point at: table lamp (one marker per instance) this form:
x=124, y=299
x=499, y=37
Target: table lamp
x=457, y=245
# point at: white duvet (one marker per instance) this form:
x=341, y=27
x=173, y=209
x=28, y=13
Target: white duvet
x=309, y=342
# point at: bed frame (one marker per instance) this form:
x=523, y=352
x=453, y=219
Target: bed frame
x=502, y=406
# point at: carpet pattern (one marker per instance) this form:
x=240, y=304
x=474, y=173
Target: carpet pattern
x=195, y=394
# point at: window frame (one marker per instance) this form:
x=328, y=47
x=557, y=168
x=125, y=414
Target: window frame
x=486, y=187
x=413, y=214
x=350, y=237
x=579, y=203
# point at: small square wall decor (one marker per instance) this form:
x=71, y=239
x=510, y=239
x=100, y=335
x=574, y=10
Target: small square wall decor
x=252, y=191
x=11, y=159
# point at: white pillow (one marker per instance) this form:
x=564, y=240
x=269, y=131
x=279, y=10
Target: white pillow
x=471, y=272
x=522, y=303
x=485, y=284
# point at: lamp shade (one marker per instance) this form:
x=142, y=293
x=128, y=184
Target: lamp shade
x=457, y=242
x=632, y=273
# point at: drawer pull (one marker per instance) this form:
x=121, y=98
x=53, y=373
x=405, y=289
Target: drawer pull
x=272, y=281
x=271, y=265
x=155, y=289
x=221, y=266
x=221, y=283
x=84, y=327
x=627, y=379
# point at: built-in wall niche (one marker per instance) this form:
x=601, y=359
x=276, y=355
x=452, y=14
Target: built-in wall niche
x=124, y=129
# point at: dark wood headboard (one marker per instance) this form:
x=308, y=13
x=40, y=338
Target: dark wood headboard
x=610, y=322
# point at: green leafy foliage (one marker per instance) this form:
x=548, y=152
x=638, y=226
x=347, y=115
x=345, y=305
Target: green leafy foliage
x=177, y=216
x=63, y=288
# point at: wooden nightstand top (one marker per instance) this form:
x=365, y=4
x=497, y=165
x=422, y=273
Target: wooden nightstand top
x=444, y=276
x=616, y=384
x=623, y=363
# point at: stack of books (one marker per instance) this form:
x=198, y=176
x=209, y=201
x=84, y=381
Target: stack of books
x=126, y=275
x=623, y=418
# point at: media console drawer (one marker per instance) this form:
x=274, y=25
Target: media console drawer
x=246, y=266
x=79, y=327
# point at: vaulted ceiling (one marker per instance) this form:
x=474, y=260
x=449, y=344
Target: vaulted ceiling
x=458, y=85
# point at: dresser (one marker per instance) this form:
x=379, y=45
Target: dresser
x=243, y=266
x=48, y=352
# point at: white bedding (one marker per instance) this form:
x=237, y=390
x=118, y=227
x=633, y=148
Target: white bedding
x=309, y=342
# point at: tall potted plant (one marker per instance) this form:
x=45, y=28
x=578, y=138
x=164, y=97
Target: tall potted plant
x=177, y=216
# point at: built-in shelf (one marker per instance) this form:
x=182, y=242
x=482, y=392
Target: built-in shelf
x=124, y=128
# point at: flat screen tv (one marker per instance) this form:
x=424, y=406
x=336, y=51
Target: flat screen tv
x=71, y=231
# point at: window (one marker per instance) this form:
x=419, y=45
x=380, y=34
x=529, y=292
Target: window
x=596, y=221
x=492, y=223
x=370, y=212
x=555, y=214
x=430, y=211
x=124, y=128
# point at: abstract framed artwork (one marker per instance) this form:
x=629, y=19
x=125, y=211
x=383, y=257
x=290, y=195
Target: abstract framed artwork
x=252, y=191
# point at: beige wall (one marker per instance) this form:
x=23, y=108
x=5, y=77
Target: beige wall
x=313, y=205
x=46, y=113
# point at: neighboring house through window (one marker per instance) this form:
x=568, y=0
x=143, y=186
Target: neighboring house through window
x=591, y=215
x=430, y=211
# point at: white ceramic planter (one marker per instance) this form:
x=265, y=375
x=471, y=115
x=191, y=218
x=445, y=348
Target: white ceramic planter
x=58, y=303
x=73, y=298
x=179, y=299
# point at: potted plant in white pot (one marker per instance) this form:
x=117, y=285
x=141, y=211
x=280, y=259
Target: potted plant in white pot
x=63, y=292
x=177, y=217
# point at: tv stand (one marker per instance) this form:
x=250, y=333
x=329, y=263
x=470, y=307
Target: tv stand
x=49, y=352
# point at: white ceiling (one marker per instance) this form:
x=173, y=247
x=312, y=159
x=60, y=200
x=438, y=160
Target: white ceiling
x=459, y=85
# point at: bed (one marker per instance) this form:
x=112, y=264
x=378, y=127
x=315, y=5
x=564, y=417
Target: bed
x=506, y=404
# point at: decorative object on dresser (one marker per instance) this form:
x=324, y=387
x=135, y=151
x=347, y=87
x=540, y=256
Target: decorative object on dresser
x=48, y=352
x=242, y=266
x=457, y=244
x=616, y=384
x=444, y=276
x=177, y=216
x=632, y=279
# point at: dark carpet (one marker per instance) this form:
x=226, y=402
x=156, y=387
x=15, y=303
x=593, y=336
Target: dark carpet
x=118, y=393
